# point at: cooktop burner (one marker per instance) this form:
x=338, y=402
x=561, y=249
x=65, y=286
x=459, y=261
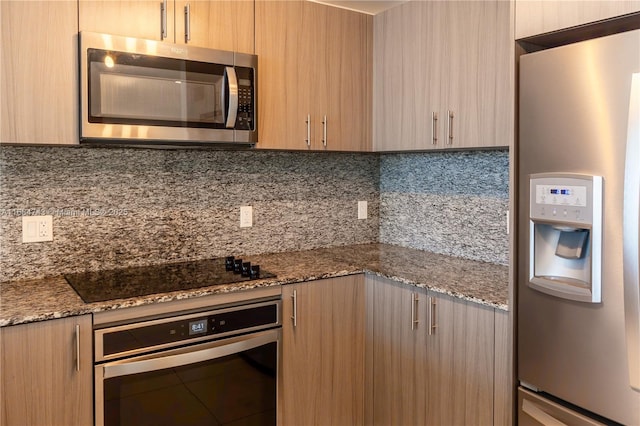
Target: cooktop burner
x=100, y=286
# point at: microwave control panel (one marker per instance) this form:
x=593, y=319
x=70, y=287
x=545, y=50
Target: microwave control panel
x=246, y=99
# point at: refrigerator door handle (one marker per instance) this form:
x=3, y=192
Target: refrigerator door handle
x=536, y=413
x=631, y=235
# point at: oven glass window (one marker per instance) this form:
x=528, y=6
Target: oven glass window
x=238, y=389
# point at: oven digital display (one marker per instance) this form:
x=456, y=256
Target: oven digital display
x=198, y=327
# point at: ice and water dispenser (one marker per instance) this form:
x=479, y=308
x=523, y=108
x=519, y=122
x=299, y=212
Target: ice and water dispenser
x=565, y=235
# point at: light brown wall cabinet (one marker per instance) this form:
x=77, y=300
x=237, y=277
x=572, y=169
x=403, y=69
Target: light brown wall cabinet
x=47, y=373
x=225, y=25
x=431, y=359
x=534, y=17
x=443, y=76
x=314, y=77
x=39, y=72
x=323, y=352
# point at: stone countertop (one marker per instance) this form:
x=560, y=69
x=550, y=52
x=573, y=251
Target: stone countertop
x=484, y=283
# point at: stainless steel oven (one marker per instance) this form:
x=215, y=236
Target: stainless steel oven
x=214, y=367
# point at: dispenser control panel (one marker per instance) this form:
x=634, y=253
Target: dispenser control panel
x=561, y=197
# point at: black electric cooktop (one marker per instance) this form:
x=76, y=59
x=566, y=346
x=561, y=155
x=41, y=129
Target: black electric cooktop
x=101, y=286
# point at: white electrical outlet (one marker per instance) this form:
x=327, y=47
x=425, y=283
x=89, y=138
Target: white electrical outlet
x=246, y=216
x=362, y=209
x=36, y=229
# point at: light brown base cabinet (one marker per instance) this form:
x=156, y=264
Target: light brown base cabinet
x=431, y=359
x=374, y=351
x=396, y=369
x=46, y=373
x=323, y=352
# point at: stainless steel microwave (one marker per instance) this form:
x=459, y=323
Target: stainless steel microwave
x=135, y=90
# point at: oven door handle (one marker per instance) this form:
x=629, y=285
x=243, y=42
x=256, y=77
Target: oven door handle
x=167, y=360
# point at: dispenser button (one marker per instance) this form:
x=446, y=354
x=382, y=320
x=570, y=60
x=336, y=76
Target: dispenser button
x=564, y=213
x=554, y=212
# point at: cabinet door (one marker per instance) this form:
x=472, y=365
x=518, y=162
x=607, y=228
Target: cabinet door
x=314, y=62
x=39, y=72
x=451, y=59
x=323, y=352
x=40, y=382
x=504, y=383
x=130, y=18
x=398, y=352
x=286, y=74
x=461, y=362
x=217, y=24
x=409, y=59
x=344, y=48
x=535, y=17
x=479, y=78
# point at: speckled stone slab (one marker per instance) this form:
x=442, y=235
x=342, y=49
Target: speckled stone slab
x=452, y=203
x=122, y=207
x=485, y=283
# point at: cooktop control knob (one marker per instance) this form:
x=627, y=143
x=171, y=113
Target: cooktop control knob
x=228, y=263
x=237, y=266
x=254, y=272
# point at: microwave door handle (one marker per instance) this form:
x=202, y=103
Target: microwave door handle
x=230, y=90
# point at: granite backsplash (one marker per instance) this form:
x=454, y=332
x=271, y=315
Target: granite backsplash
x=452, y=203
x=116, y=207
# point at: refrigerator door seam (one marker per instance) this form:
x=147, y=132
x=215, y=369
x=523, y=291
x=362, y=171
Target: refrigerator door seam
x=631, y=235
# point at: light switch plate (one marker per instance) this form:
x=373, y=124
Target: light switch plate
x=36, y=229
x=362, y=209
x=246, y=216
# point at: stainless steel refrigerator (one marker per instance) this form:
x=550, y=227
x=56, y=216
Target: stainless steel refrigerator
x=578, y=230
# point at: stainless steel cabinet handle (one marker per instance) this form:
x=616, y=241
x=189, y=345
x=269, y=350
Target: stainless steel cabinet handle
x=432, y=317
x=414, y=311
x=163, y=19
x=187, y=23
x=450, y=127
x=324, y=131
x=434, y=128
x=294, y=317
x=77, y=347
x=308, y=139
